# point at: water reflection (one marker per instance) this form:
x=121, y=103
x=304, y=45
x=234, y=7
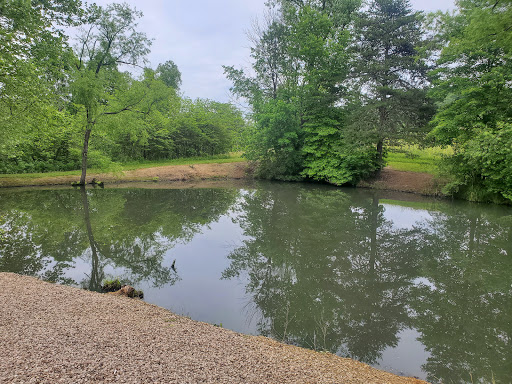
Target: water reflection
x=339, y=270
x=464, y=312
x=326, y=269
x=46, y=232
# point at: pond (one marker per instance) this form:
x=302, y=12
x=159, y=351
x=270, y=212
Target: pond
x=411, y=285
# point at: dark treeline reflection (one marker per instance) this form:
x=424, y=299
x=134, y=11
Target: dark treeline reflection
x=44, y=233
x=327, y=270
x=464, y=313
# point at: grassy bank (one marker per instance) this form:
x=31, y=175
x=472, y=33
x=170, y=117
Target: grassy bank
x=130, y=166
x=403, y=158
x=412, y=158
x=421, y=166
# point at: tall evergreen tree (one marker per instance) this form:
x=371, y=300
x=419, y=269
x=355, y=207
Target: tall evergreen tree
x=389, y=73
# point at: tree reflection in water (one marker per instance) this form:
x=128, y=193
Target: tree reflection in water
x=463, y=310
x=325, y=268
x=326, y=271
x=47, y=232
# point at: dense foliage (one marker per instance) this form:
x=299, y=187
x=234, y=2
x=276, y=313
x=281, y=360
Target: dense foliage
x=333, y=84
x=474, y=92
x=56, y=96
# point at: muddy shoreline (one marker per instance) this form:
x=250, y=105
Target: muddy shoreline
x=186, y=176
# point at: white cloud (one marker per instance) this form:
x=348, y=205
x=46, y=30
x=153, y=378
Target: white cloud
x=200, y=36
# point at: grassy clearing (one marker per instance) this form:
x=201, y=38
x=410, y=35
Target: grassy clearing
x=228, y=158
x=414, y=159
x=231, y=158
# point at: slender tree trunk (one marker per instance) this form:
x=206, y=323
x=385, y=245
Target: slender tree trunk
x=96, y=273
x=380, y=151
x=85, y=151
x=383, y=119
x=374, y=225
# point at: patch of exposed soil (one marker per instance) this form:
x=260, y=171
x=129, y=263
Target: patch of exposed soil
x=191, y=172
x=390, y=179
x=194, y=172
x=57, y=334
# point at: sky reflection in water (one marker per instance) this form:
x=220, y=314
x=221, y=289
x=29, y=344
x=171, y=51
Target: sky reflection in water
x=417, y=287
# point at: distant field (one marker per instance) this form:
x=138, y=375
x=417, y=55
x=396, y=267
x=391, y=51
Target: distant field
x=228, y=158
x=414, y=159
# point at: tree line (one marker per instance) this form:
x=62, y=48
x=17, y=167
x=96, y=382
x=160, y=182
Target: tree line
x=333, y=84
x=72, y=104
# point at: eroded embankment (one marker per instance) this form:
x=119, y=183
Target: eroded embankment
x=388, y=179
x=215, y=171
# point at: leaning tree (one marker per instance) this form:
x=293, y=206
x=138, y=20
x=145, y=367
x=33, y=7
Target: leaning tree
x=109, y=40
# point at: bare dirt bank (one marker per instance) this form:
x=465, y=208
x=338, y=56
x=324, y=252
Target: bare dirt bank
x=389, y=179
x=57, y=334
x=194, y=172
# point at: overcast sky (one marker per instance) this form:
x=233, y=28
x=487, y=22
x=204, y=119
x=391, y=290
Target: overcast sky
x=202, y=35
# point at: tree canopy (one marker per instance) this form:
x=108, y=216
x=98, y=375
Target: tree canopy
x=332, y=86
x=68, y=102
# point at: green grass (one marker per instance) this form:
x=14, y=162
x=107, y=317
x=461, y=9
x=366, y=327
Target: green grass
x=231, y=158
x=414, y=159
x=37, y=175
x=129, y=166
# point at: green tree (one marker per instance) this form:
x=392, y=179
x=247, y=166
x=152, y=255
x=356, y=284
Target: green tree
x=276, y=139
x=474, y=95
x=389, y=73
x=35, y=59
x=203, y=127
x=144, y=131
x=34, y=53
x=299, y=62
x=320, y=47
x=110, y=40
x=272, y=92
x=169, y=73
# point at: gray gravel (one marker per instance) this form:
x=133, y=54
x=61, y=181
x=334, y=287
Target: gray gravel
x=57, y=334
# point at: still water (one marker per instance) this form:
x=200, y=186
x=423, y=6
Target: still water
x=413, y=286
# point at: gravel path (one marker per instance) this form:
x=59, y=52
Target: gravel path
x=57, y=334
